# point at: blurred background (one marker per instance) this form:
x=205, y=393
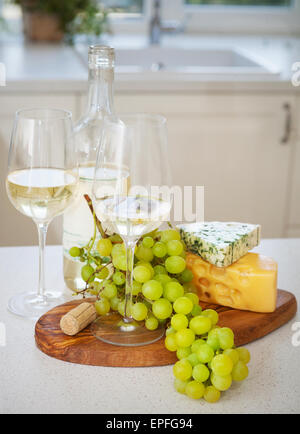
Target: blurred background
x=225, y=73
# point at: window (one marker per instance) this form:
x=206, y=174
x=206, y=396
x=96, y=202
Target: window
x=256, y=17
x=125, y=6
x=240, y=2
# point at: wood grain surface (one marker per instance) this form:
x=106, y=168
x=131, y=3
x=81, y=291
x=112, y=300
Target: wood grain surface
x=85, y=349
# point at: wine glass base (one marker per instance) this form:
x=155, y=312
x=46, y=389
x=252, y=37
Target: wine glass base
x=29, y=305
x=54, y=295
x=112, y=329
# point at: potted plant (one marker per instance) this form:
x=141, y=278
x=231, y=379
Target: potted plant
x=52, y=20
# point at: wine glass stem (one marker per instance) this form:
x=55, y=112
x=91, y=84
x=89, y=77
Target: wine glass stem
x=42, y=231
x=130, y=247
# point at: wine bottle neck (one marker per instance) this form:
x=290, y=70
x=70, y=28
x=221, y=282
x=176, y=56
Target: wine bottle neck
x=100, y=91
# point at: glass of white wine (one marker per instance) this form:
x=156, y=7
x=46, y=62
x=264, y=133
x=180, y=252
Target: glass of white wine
x=41, y=183
x=137, y=203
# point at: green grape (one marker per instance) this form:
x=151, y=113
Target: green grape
x=226, y=338
x=151, y=323
x=233, y=354
x=193, y=297
x=159, y=269
x=170, y=342
x=97, y=285
x=186, y=276
x=221, y=383
x=141, y=274
x=169, y=235
x=139, y=311
x=221, y=365
x=182, y=370
x=197, y=310
x=244, y=354
x=185, y=338
x=212, y=314
x=152, y=290
x=213, y=339
x=119, y=278
x=136, y=287
x=193, y=359
x=174, y=248
x=175, y=264
x=183, y=255
x=200, y=373
x=196, y=344
x=115, y=238
x=194, y=390
x=240, y=371
x=86, y=272
x=75, y=252
x=170, y=330
x=118, y=249
x=205, y=353
x=179, y=321
x=173, y=290
x=182, y=353
x=162, y=308
x=183, y=305
x=103, y=274
x=95, y=288
x=114, y=303
x=120, y=262
x=121, y=308
x=146, y=264
x=110, y=290
x=144, y=253
x=211, y=394
x=180, y=385
x=104, y=247
x=162, y=278
x=148, y=242
x=159, y=249
x=102, y=306
x=200, y=324
x=190, y=287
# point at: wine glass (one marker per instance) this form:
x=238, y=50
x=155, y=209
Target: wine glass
x=133, y=152
x=41, y=183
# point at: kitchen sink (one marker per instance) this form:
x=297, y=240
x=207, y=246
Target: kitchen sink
x=164, y=60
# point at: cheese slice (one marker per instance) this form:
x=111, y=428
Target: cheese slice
x=248, y=284
x=220, y=243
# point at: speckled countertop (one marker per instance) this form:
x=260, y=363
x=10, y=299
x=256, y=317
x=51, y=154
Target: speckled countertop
x=32, y=382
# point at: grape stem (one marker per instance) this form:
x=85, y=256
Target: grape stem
x=98, y=223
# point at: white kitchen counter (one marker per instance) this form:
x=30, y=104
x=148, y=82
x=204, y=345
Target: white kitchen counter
x=32, y=382
x=61, y=68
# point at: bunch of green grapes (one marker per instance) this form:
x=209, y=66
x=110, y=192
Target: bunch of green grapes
x=160, y=275
x=208, y=361
x=163, y=292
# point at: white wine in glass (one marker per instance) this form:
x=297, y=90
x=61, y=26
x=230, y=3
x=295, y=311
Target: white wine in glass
x=41, y=183
x=136, y=147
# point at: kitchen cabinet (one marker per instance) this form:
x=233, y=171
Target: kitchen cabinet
x=293, y=229
x=231, y=145
x=228, y=142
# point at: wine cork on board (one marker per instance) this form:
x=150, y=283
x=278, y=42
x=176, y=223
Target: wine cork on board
x=77, y=319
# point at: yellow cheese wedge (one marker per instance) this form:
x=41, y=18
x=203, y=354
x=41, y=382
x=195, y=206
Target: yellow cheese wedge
x=248, y=284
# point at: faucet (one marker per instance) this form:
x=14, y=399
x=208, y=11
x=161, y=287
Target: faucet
x=157, y=27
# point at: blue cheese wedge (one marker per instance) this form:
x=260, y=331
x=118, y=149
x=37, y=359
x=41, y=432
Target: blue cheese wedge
x=220, y=243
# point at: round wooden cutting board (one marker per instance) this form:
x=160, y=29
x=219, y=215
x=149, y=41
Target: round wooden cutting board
x=85, y=349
